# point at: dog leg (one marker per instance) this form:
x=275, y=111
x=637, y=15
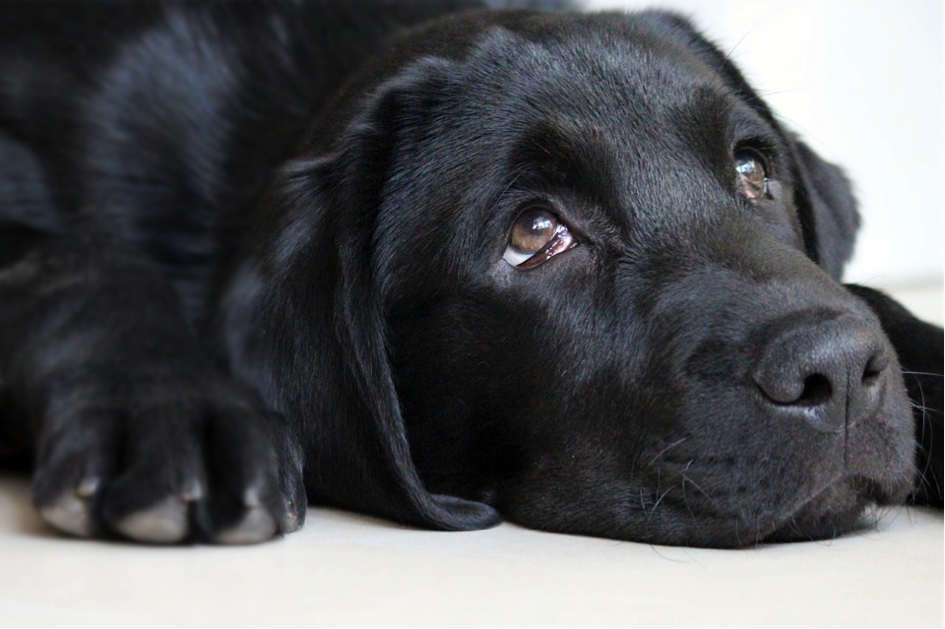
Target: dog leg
x=919, y=348
x=131, y=428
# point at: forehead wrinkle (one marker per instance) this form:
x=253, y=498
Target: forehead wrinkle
x=626, y=85
x=581, y=160
x=575, y=154
x=633, y=96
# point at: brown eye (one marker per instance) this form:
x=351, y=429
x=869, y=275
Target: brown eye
x=536, y=235
x=752, y=175
x=533, y=229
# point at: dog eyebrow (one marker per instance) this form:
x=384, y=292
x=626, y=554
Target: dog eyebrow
x=576, y=156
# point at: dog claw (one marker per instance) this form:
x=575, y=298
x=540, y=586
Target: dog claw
x=252, y=498
x=163, y=523
x=87, y=487
x=193, y=492
x=292, y=521
x=256, y=526
x=70, y=514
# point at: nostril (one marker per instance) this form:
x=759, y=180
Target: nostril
x=817, y=391
x=830, y=372
x=874, y=369
x=811, y=391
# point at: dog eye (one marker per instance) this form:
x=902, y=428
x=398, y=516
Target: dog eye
x=752, y=174
x=536, y=236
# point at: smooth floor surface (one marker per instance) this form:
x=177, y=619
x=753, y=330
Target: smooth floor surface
x=344, y=569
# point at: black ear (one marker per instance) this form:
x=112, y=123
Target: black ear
x=824, y=193
x=825, y=203
x=317, y=343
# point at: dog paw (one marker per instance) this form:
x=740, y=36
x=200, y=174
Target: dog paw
x=204, y=466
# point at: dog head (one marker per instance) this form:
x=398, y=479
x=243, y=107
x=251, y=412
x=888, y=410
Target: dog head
x=571, y=269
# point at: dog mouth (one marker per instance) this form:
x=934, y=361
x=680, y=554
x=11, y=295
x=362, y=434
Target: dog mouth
x=840, y=507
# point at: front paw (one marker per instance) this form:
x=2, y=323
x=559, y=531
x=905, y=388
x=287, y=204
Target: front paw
x=175, y=462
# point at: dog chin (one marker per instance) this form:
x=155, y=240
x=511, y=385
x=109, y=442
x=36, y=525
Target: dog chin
x=844, y=506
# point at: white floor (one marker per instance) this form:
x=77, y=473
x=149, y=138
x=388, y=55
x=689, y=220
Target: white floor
x=343, y=569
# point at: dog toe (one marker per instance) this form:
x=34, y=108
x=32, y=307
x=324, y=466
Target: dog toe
x=257, y=525
x=163, y=523
x=294, y=516
x=69, y=476
x=70, y=513
x=194, y=471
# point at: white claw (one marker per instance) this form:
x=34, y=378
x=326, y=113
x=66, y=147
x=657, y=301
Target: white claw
x=291, y=522
x=162, y=523
x=256, y=526
x=87, y=487
x=252, y=497
x=69, y=514
x=193, y=492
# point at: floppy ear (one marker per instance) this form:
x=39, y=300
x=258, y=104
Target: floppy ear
x=825, y=203
x=824, y=192
x=317, y=334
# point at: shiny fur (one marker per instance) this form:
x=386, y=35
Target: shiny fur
x=251, y=258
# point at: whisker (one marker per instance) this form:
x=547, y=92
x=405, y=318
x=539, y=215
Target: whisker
x=926, y=424
x=918, y=406
x=658, y=501
x=712, y=501
x=666, y=449
x=762, y=20
x=685, y=496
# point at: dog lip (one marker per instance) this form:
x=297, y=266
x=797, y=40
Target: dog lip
x=883, y=494
x=786, y=522
x=837, y=517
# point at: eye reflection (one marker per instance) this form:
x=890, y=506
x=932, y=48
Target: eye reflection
x=753, y=177
x=532, y=231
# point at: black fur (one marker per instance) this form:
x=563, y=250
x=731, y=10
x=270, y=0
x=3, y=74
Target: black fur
x=251, y=256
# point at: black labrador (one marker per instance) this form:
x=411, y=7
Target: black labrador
x=436, y=266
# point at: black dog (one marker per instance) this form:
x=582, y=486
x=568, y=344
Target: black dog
x=567, y=268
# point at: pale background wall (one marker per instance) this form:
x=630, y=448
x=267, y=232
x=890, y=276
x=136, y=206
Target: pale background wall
x=862, y=82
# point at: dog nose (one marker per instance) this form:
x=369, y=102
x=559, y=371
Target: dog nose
x=828, y=373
